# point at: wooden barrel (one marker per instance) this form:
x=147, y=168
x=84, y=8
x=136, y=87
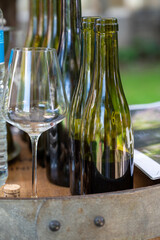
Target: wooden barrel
x=132, y=214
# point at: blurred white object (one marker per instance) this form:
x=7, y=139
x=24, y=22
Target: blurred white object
x=147, y=165
x=4, y=21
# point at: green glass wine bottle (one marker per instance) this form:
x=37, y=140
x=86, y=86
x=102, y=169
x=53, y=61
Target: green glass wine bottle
x=80, y=98
x=33, y=23
x=58, y=143
x=42, y=24
x=106, y=130
x=32, y=30
x=54, y=22
x=36, y=33
x=77, y=17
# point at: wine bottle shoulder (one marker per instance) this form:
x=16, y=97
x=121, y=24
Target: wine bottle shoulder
x=105, y=115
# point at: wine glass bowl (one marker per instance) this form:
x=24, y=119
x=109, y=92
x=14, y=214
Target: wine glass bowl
x=34, y=96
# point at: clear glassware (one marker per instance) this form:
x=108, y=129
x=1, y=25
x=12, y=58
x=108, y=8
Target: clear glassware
x=34, y=97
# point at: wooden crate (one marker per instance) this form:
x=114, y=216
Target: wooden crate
x=132, y=214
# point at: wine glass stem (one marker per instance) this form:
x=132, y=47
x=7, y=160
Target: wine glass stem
x=34, y=141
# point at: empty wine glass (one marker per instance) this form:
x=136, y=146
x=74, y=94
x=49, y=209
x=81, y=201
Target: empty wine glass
x=34, y=96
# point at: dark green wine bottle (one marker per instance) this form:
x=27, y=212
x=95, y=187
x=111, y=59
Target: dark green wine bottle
x=58, y=143
x=33, y=23
x=36, y=33
x=106, y=130
x=69, y=48
x=32, y=30
x=42, y=24
x=51, y=39
x=80, y=98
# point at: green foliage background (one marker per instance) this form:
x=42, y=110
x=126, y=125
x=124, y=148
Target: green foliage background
x=140, y=72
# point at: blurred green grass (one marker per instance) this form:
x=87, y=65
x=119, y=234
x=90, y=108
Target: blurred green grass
x=141, y=81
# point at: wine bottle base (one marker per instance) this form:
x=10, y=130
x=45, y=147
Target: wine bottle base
x=59, y=183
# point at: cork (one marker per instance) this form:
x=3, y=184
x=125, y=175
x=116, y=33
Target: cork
x=11, y=190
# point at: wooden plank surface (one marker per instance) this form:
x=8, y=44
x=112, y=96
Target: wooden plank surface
x=20, y=171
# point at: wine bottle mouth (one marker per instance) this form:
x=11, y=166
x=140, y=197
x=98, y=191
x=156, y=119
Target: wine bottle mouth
x=88, y=22
x=106, y=25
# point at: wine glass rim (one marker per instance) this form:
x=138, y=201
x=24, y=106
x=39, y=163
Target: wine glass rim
x=34, y=49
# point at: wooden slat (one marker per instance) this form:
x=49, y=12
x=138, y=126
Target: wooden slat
x=20, y=173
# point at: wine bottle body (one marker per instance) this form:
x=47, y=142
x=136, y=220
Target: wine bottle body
x=106, y=135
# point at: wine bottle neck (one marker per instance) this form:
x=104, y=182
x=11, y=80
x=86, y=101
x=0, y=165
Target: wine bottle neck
x=34, y=15
x=53, y=29
x=40, y=19
x=69, y=49
x=52, y=14
x=71, y=11
x=54, y=18
x=34, y=9
x=88, y=45
x=106, y=80
x=42, y=22
x=109, y=48
x=45, y=17
x=86, y=48
x=107, y=56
